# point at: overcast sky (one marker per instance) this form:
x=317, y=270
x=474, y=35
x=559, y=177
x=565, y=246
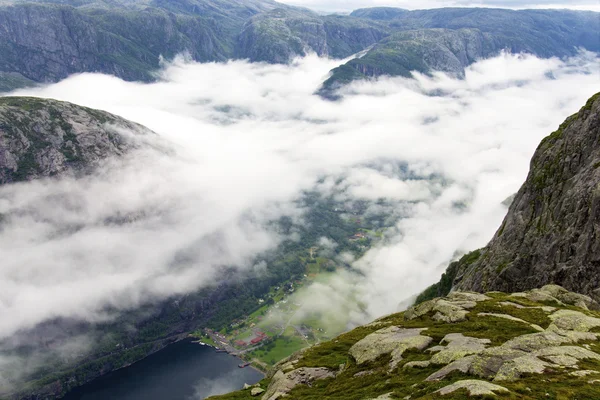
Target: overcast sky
x=345, y=6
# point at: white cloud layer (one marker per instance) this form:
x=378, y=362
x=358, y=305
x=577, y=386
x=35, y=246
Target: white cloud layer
x=347, y=6
x=246, y=140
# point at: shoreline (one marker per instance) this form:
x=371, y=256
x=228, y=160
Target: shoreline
x=238, y=356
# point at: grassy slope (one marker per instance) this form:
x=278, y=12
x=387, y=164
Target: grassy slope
x=410, y=382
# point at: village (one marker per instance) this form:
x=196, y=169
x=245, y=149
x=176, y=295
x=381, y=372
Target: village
x=275, y=330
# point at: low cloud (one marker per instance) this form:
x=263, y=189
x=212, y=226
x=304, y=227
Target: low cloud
x=247, y=140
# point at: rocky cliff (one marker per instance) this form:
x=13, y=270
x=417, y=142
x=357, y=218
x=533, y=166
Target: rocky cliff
x=42, y=138
x=551, y=233
x=529, y=345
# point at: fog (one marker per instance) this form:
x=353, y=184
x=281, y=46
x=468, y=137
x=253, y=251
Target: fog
x=243, y=142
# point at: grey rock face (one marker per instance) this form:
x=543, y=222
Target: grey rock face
x=42, y=138
x=550, y=234
x=46, y=42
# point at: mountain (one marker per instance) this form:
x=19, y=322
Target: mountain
x=46, y=41
x=379, y=13
x=43, y=138
x=449, y=40
x=515, y=341
x=533, y=345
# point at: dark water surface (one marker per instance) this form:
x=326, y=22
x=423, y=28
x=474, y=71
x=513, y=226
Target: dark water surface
x=181, y=371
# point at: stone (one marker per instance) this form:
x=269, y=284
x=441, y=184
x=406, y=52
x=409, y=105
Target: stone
x=463, y=365
x=257, y=391
x=583, y=373
x=392, y=340
x=566, y=355
x=246, y=386
x=536, y=341
x=474, y=388
x=282, y=383
x=467, y=296
x=514, y=369
x=547, y=309
x=450, y=309
x=539, y=295
x=458, y=346
x=416, y=364
x=575, y=299
x=573, y=321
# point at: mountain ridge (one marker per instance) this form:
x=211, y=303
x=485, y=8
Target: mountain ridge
x=47, y=41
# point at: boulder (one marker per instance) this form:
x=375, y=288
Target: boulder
x=474, y=388
x=392, y=340
x=458, y=346
x=283, y=383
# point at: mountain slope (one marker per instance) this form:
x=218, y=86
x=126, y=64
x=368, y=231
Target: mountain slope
x=533, y=345
x=449, y=39
x=42, y=137
x=281, y=34
x=46, y=41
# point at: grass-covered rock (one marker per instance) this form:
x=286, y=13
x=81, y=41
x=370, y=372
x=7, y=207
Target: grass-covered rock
x=496, y=351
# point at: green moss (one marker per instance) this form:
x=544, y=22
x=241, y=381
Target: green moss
x=501, y=267
x=378, y=380
x=443, y=287
x=590, y=102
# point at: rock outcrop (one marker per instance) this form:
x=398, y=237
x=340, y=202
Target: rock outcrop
x=551, y=232
x=44, y=138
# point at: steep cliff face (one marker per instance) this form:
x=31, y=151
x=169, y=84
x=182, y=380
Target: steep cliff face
x=552, y=230
x=42, y=138
x=47, y=42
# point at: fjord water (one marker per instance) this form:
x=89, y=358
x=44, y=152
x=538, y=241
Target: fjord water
x=181, y=371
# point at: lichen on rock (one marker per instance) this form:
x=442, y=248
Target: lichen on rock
x=391, y=340
x=474, y=388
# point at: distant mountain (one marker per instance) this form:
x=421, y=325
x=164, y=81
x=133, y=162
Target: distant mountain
x=43, y=138
x=379, y=13
x=550, y=234
x=46, y=41
x=281, y=34
x=450, y=39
